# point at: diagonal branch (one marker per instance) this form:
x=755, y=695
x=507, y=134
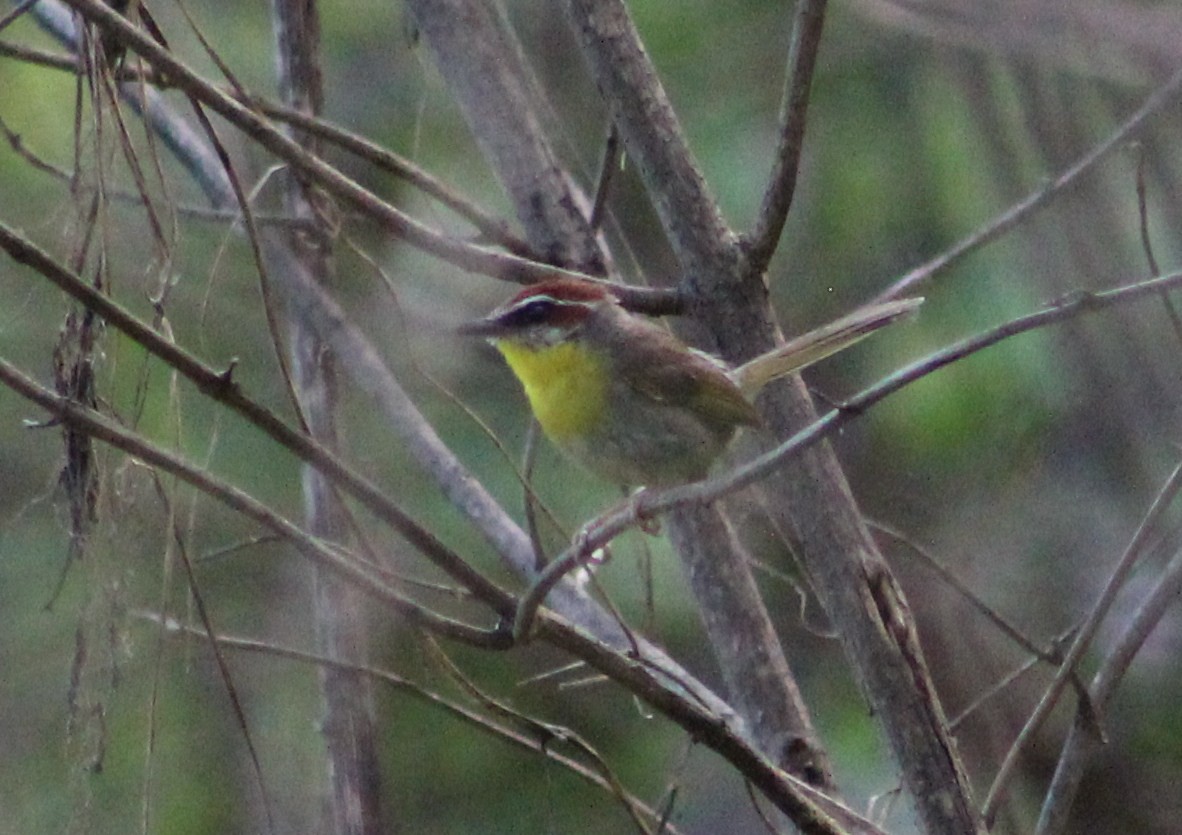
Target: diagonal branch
x=488, y=76
x=210, y=174
x=1040, y=197
x=459, y=253
x=537, y=737
x=701, y=714
x=1148, y=528
x=609, y=526
x=812, y=503
x=221, y=387
x=581, y=628
x=1082, y=741
x=744, y=641
x=363, y=575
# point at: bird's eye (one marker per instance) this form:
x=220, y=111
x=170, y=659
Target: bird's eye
x=534, y=312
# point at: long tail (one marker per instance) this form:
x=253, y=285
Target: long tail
x=818, y=344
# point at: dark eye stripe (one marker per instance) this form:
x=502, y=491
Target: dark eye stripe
x=534, y=311
x=544, y=309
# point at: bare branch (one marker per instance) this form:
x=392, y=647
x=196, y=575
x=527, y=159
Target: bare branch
x=479, y=56
x=763, y=239
x=1083, y=640
x=221, y=387
x=793, y=797
x=953, y=582
x=20, y=9
x=650, y=502
x=1040, y=197
x=459, y=253
x=538, y=737
x=349, y=725
x=734, y=615
x=609, y=162
x=653, y=676
x=711, y=261
x=494, y=229
x=1082, y=741
x=362, y=574
x=651, y=133
x=210, y=174
x=813, y=501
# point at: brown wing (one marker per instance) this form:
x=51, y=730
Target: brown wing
x=666, y=371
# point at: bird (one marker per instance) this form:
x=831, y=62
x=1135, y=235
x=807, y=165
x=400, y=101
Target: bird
x=626, y=399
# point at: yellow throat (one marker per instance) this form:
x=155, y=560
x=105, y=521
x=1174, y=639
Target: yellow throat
x=566, y=385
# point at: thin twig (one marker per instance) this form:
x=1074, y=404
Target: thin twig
x=573, y=558
x=1083, y=640
x=362, y=574
x=459, y=253
x=463, y=254
x=222, y=388
x=811, y=809
x=1147, y=241
x=651, y=502
x=72, y=63
x=609, y=163
x=219, y=657
x=494, y=229
x=545, y=732
x=654, y=677
x=539, y=740
x=20, y=9
x=529, y=495
x=1038, y=198
x=953, y=582
x=186, y=146
x=1082, y=741
x=1007, y=680
x=808, y=21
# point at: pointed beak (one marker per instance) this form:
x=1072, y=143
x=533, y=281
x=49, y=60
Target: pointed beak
x=487, y=328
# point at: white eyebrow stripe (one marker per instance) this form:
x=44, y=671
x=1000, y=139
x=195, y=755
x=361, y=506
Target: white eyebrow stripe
x=528, y=300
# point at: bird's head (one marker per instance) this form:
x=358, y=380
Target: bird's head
x=546, y=314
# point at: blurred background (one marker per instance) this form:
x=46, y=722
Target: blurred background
x=1024, y=469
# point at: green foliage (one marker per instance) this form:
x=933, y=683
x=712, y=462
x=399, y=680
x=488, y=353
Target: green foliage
x=911, y=146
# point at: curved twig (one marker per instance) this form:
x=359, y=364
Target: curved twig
x=1038, y=198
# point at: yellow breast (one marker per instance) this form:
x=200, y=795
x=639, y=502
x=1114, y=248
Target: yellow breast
x=565, y=383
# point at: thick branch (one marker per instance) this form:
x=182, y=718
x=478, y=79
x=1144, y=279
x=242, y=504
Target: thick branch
x=760, y=684
x=482, y=62
x=586, y=630
x=349, y=729
x=812, y=503
x=657, y=680
x=745, y=643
